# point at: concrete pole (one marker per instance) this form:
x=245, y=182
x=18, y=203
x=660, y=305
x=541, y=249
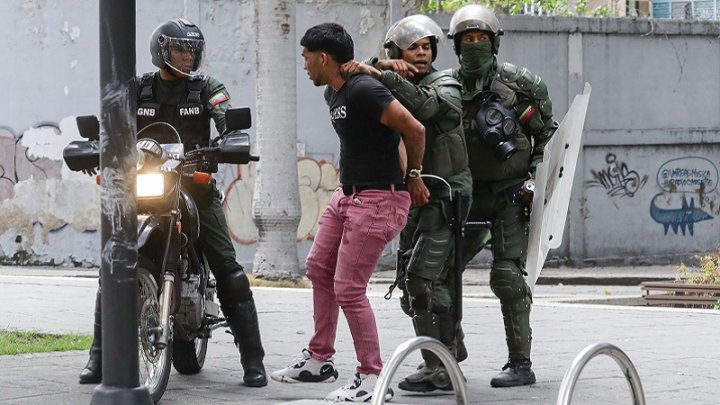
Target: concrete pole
x=576, y=221
x=396, y=11
x=118, y=224
x=276, y=202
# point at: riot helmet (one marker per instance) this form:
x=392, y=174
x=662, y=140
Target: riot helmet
x=474, y=17
x=177, y=36
x=409, y=30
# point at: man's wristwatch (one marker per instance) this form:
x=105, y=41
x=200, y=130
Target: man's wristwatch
x=414, y=173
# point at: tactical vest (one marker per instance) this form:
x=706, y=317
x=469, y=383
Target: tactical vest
x=514, y=87
x=446, y=153
x=185, y=109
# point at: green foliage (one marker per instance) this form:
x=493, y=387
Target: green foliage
x=601, y=11
x=708, y=272
x=282, y=283
x=15, y=342
x=545, y=7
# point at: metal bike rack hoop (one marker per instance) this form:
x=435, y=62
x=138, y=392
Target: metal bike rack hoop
x=571, y=375
x=402, y=351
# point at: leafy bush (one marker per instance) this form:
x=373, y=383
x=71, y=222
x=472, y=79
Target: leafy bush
x=707, y=272
x=540, y=7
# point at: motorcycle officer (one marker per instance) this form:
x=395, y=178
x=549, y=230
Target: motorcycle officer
x=425, y=268
x=508, y=121
x=176, y=94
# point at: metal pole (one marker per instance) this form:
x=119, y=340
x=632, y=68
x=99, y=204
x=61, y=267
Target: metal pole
x=118, y=209
x=458, y=231
x=571, y=375
x=418, y=343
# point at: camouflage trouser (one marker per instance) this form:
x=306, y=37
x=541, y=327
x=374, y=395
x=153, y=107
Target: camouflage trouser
x=427, y=276
x=509, y=237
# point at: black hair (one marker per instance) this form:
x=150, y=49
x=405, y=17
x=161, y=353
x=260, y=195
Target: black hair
x=330, y=38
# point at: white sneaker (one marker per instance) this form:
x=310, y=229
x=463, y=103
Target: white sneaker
x=307, y=369
x=358, y=389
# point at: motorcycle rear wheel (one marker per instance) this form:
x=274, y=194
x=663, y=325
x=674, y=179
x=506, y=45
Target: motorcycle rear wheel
x=189, y=356
x=154, y=363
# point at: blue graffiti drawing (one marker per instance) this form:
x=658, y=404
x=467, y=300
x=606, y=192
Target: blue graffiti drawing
x=684, y=217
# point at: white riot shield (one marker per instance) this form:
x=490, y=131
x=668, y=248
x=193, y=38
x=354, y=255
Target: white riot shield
x=553, y=185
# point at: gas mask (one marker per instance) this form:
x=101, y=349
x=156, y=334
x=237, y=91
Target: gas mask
x=496, y=125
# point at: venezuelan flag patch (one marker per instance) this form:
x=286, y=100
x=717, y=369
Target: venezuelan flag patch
x=218, y=98
x=529, y=112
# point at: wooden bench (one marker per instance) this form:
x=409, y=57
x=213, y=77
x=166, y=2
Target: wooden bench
x=680, y=295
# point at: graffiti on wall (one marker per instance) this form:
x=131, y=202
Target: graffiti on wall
x=617, y=179
x=42, y=203
x=40, y=197
x=317, y=180
x=689, y=186
x=17, y=163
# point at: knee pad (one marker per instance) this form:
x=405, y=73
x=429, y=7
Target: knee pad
x=431, y=253
x=507, y=282
x=420, y=293
x=234, y=288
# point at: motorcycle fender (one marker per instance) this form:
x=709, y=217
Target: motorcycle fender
x=147, y=225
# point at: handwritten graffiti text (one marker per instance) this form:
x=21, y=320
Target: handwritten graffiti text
x=617, y=179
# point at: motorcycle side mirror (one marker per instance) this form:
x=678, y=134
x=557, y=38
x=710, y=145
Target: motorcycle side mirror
x=81, y=155
x=237, y=119
x=88, y=126
x=235, y=149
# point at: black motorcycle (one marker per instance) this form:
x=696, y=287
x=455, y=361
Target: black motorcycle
x=177, y=311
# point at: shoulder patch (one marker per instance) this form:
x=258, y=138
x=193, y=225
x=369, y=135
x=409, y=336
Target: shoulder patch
x=218, y=98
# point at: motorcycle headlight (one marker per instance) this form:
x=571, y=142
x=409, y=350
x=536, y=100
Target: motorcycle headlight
x=150, y=185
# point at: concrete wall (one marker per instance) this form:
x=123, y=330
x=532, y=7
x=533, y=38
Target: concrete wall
x=652, y=133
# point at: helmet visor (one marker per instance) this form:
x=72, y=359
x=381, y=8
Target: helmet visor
x=412, y=29
x=184, y=54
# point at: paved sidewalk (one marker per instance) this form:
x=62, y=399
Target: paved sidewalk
x=675, y=351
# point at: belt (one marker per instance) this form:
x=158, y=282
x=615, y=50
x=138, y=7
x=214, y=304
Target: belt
x=349, y=189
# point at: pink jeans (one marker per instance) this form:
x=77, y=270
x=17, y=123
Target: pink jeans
x=352, y=234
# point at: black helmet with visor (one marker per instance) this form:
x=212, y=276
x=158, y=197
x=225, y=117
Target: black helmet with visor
x=177, y=36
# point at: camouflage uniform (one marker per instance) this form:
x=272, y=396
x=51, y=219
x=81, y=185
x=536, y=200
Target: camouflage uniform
x=425, y=269
x=497, y=183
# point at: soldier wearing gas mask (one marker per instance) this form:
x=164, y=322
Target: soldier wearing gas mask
x=425, y=268
x=178, y=95
x=508, y=121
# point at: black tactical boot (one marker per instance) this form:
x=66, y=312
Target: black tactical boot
x=92, y=373
x=432, y=375
x=515, y=373
x=427, y=379
x=243, y=322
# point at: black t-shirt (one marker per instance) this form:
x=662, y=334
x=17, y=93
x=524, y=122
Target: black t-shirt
x=368, y=149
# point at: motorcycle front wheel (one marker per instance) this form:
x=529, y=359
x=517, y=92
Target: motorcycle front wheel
x=154, y=363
